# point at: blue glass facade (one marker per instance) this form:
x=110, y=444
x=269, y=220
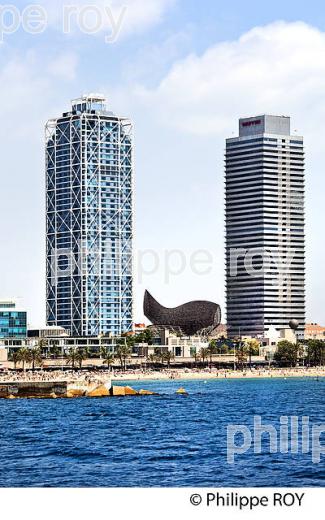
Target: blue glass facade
x=13, y=322
x=89, y=175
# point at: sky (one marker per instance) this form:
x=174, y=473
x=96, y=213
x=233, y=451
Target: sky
x=184, y=72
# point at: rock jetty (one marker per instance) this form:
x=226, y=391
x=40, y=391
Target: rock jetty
x=64, y=389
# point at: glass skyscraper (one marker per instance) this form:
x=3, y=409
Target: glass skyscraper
x=13, y=321
x=89, y=220
x=265, y=242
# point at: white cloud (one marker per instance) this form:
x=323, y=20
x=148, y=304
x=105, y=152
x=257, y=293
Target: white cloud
x=28, y=84
x=279, y=68
x=141, y=14
x=64, y=66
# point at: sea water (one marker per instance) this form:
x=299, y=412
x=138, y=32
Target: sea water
x=161, y=441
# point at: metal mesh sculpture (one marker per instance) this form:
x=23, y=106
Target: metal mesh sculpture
x=191, y=317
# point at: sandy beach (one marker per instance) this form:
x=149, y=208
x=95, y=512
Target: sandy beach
x=102, y=376
x=218, y=374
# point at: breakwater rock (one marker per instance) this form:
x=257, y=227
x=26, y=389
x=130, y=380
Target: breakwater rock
x=64, y=389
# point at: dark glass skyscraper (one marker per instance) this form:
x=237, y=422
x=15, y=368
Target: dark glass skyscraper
x=265, y=245
x=89, y=224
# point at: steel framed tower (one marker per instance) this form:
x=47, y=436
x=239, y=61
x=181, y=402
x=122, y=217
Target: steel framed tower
x=89, y=220
x=265, y=243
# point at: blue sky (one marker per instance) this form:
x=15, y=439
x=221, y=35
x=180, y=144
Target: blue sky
x=184, y=71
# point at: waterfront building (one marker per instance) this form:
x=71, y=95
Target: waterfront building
x=314, y=331
x=183, y=349
x=13, y=321
x=47, y=332
x=163, y=340
x=139, y=327
x=177, y=343
x=265, y=255
x=62, y=343
x=273, y=336
x=89, y=220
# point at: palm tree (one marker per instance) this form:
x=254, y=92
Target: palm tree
x=107, y=357
x=253, y=347
x=196, y=356
x=160, y=355
x=224, y=348
x=123, y=352
x=82, y=354
x=55, y=351
x=127, y=339
x=204, y=352
x=212, y=350
x=24, y=356
x=241, y=354
x=152, y=358
x=72, y=356
x=15, y=357
x=145, y=337
x=168, y=357
x=35, y=356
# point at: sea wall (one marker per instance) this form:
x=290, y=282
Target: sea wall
x=33, y=389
